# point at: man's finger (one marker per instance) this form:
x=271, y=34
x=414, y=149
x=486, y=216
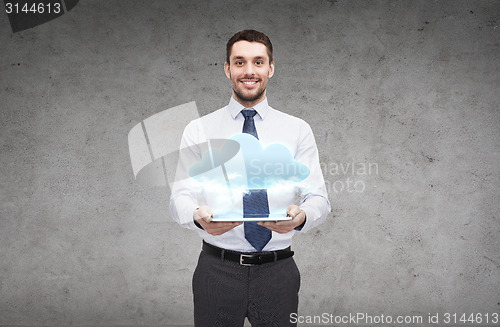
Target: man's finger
x=292, y=212
x=208, y=218
x=218, y=228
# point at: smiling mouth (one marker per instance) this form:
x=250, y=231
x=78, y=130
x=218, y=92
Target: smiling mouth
x=250, y=83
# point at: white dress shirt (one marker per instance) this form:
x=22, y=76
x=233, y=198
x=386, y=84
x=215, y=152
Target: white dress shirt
x=272, y=127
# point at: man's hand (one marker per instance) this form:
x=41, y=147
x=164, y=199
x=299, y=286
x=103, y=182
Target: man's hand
x=285, y=226
x=203, y=215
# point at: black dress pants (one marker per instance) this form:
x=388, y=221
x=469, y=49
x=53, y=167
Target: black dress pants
x=226, y=292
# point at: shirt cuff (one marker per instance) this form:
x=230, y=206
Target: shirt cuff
x=299, y=228
x=198, y=224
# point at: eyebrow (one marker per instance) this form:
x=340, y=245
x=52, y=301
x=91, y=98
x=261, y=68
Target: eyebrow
x=241, y=57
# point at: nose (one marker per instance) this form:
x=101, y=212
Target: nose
x=249, y=70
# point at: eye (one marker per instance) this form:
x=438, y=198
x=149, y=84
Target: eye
x=259, y=63
x=239, y=63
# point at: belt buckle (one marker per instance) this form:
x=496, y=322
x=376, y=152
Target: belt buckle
x=246, y=256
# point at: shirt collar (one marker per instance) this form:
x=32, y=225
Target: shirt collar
x=235, y=108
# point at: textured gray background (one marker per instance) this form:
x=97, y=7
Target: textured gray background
x=411, y=86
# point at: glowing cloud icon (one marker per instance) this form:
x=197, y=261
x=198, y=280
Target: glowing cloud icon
x=250, y=166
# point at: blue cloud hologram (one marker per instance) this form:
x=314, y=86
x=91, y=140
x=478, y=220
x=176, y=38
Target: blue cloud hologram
x=263, y=168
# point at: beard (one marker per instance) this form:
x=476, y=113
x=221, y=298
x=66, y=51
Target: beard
x=244, y=95
x=249, y=97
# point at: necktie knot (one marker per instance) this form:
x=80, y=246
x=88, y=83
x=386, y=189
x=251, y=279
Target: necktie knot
x=248, y=113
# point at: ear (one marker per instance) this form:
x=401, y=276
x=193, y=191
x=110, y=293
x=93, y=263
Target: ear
x=226, y=70
x=271, y=69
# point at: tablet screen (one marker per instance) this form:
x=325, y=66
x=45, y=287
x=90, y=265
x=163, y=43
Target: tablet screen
x=272, y=217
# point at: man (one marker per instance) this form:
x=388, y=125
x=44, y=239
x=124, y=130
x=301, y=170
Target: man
x=247, y=269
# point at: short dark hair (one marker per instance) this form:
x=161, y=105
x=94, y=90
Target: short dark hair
x=250, y=36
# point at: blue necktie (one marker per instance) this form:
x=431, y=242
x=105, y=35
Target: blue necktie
x=255, y=202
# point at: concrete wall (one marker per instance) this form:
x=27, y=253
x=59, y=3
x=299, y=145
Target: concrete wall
x=408, y=89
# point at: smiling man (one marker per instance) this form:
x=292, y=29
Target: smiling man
x=246, y=269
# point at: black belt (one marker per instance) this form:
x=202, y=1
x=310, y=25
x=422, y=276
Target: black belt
x=247, y=258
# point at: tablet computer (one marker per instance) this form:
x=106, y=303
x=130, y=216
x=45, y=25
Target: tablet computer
x=271, y=217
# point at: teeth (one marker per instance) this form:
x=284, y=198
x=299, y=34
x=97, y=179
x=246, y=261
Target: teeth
x=250, y=83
